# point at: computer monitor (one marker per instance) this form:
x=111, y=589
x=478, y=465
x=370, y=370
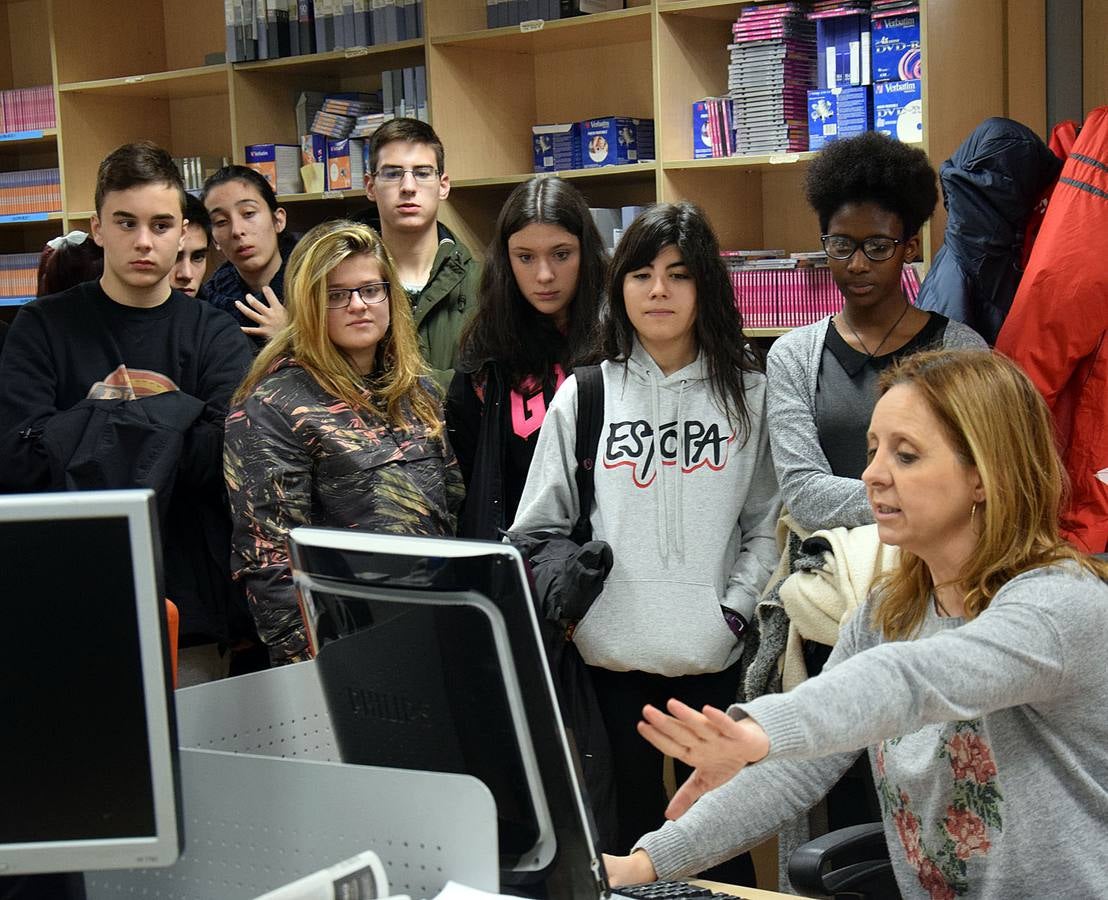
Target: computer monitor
x=429, y=654
x=88, y=765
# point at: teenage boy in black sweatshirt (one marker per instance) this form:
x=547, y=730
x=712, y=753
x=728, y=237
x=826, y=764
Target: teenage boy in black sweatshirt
x=124, y=382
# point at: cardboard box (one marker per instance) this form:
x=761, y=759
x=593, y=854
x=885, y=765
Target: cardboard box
x=843, y=44
x=701, y=131
x=608, y=142
x=644, y=138
x=556, y=147
x=345, y=164
x=896, y=48
x=278, y=163
x=898, y=110
x=837, y=113
x=313, y=149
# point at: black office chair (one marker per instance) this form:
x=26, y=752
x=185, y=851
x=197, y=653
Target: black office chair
x=848, y=863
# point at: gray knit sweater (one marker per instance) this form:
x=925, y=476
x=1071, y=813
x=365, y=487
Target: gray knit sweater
x=988, y=740
x=815, y=497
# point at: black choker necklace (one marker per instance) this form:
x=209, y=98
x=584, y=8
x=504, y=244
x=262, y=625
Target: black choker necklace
x=870, y=354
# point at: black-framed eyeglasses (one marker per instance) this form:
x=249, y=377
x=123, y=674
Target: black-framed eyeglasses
x=369, y=294
x=395, y=174
x=839, y=246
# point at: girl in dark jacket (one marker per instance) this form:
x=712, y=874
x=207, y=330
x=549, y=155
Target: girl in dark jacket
x=539, y=303
x=248, y=227
x=336, y=424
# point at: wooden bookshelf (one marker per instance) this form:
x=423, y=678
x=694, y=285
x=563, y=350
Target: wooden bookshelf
x=26, y=61
x=128, y=69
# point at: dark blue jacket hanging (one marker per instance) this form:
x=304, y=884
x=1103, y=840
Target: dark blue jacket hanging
x=991, y=185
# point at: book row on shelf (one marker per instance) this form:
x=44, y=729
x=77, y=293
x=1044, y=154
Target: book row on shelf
x=27, y=109
x=274, y=29
x=789, y=298
x=333, y=153
x=30, y=191
x=196, y=169
x=18, y=276
x=803, y=75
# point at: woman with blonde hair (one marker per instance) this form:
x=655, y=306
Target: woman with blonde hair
x=973, y=674
x=335, y=424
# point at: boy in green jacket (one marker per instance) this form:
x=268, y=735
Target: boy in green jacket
x=407, y=180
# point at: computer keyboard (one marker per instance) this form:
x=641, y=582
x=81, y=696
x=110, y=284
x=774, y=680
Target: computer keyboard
x=670, y=890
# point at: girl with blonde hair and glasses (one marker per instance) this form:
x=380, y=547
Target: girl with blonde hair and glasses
x=336, y=424
x=973, y=675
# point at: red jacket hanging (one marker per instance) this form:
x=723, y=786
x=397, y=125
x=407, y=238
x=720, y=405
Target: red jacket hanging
x=1056, y=327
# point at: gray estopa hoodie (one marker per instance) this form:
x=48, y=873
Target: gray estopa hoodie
x=688, y=535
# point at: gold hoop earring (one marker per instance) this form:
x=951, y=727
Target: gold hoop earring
x=972, y=512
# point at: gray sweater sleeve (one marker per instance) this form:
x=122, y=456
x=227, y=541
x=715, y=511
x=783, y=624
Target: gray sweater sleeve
x=815, y=497
x=748, y=809
x=1015, y=653
x=957, y=336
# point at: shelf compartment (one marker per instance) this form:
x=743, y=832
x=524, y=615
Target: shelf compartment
x=145, y=36
x=750, y=207
x=474, y=204
x=25, y=44
x=185, y=126
x=263, y=95
x=485, y=97
x=181, y=84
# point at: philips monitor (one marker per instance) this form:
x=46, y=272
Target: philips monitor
x=429, y=653
x=88, y=765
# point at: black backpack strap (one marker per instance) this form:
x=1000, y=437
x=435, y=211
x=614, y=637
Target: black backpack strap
x=590, y=420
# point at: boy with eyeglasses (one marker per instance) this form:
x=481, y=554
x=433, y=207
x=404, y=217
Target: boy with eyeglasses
x=407, y=180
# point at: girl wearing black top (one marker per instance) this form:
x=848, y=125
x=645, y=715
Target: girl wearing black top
x=539, y=301
x=249, y=228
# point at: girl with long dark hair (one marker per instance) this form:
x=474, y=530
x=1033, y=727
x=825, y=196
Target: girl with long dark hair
x=540, y=300
x=248, y=227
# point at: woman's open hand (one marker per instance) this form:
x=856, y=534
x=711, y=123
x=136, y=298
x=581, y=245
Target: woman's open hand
x=714, y=744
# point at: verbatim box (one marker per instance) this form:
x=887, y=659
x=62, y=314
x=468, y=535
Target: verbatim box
x=644, y=138
x=556, y=147
x=837, y=113
x=278, y=163
x=898, y=110
x=896, y=48
x=843, y=44
x=701, y=131
x=608, y=142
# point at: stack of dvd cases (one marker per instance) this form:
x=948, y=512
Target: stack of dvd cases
x=772, y=68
